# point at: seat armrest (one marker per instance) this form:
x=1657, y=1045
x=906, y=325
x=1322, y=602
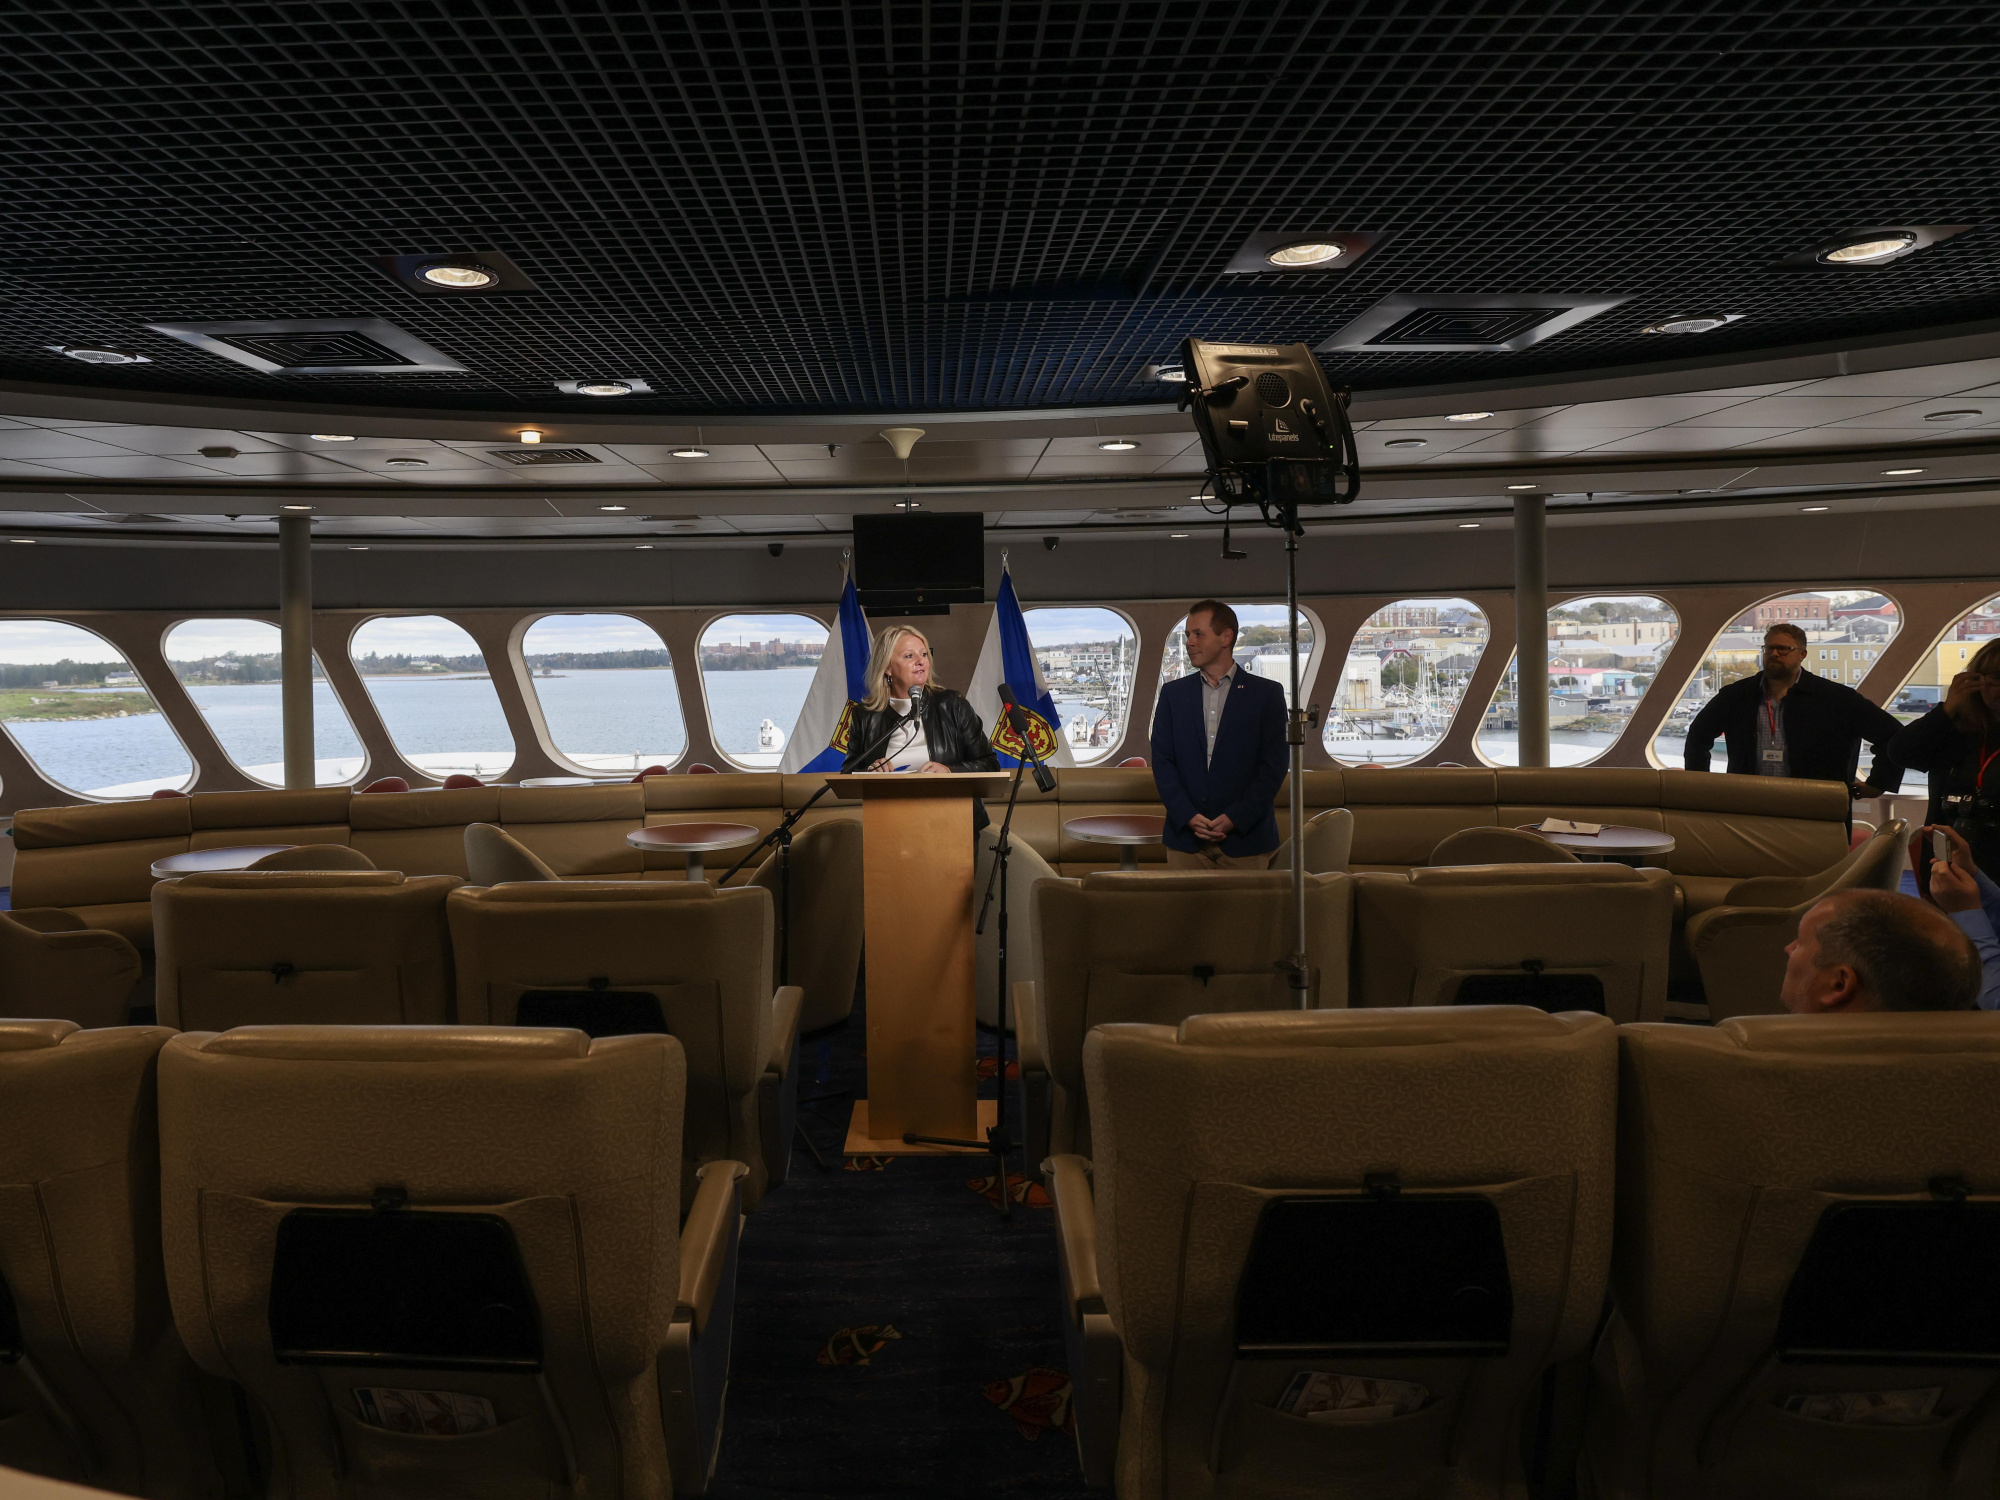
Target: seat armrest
x=786, y=1005
x=1777, y=890
x=1740, y=951
x=1028, y=1043
x=708, y=1239
x=49, y=919
x=1068, y=1177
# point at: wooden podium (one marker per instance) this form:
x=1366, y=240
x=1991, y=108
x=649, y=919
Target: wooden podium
x=917, y=901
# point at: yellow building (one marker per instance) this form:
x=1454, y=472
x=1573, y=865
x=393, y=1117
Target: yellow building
x=1946, y=662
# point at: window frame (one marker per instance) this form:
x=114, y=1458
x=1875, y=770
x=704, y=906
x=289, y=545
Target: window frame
x=1458, y=713
x=707, y=623
x=194, y=765
x=357, y=779
x=1638, y=704
x=409, y=757
x=517, y=650
x=1131, y=707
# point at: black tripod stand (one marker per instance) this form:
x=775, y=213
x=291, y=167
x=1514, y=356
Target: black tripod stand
x=997, y=1140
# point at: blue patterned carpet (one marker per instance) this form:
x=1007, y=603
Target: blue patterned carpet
x=972, y=1303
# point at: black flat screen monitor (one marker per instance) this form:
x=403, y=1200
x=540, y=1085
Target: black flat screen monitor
x=919, y=565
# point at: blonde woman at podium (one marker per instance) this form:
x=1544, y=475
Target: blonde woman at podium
x=907, y=723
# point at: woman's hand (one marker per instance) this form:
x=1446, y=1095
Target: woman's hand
x=933, y=768
x=881, y=765
x=1964, y=687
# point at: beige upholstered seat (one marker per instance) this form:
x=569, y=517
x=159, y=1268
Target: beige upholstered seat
x=1747, y=1150
x=1329, y=843
x=825, y=917
x=1499, y=846
x=1336, y=1192
x=315, y=857
x=494, y=856
x=1740, y=945
x=1558, y=936
x=490, y=1213
x=1158, y=947
x=1024, y=868
x=633, y=955
x=52, y=965
x=101, y=1392
x=301, y=947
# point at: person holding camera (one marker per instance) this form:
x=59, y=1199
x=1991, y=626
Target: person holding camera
x=1950, y=881
x=1787, y=722
x=1958, y=744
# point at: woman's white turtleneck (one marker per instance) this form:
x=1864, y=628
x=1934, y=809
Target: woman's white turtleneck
x=908, y=749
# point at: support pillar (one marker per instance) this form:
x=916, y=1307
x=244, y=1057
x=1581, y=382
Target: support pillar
x=295, y=649
x=1531, y=628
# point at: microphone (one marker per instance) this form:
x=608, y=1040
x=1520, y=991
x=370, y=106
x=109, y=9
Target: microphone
x=1045, y=779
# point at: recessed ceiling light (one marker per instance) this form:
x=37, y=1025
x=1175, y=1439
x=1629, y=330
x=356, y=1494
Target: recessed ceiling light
x=460, y=278
x=1957, y=414
x=1692, y=323
x=333, y=437
x=1524, y=486
x=295, y=507
x=1876, y=247
x=406, y=463
x=1118, y=445
x=1469, y=416
x=1468, y=525
x=1305, y=253
x=1899, y=473
x=531, y=434
x=610, y=507
x=91, y=355
x=909, y=505
x=22, y=541
x=1407, y=443
x=603, y=388
x=357, y=549
x=1177, y=536
x=690, y=453
x=1809, y=509
x=643, y=547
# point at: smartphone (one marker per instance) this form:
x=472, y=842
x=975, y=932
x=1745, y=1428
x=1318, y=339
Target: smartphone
x=1940, y=845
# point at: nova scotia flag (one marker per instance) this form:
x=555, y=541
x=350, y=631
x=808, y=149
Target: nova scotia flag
x=1009, y=656
x=819, y=739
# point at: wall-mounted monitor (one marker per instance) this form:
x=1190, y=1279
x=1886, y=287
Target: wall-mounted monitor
x=919, y=565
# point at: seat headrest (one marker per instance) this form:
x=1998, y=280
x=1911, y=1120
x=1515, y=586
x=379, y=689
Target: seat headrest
x=1435, y=876
x=1129, y=881
x=1380, y=1026
x=288, y=880
x=1867, y=1032
x=544, y=891
x=34, y=1036
x=390, y=1043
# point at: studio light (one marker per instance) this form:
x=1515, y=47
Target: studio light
x=1118, y=445
x=1305, y=253
x=1469, y=416
x=1866, y=252
x=459, y=277
x=603, y=388
x=332, y=437
x=690, y=453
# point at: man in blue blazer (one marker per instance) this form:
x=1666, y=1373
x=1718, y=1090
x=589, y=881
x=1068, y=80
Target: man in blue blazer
x=1219, y=752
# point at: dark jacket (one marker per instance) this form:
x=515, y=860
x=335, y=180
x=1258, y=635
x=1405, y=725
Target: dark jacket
x=1242, y=777
x=951, y=729
x=1935, y=744
x=1824, y=725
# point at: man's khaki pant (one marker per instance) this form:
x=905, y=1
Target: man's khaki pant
x=1212, y=858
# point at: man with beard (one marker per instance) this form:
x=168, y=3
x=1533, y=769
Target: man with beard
x=1786, y=722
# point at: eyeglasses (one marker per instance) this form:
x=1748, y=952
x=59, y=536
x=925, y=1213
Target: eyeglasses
x=1784, y=651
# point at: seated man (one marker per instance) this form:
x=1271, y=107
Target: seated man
x=1962, y=891
x=1874, y=950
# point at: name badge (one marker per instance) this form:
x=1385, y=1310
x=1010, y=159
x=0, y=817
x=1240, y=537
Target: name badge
x=1774, y=757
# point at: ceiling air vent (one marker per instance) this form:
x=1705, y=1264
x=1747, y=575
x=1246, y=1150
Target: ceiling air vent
x=315, y=346
x=542, y=457
x=1455, y=325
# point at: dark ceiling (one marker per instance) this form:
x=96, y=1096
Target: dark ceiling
x=821, y=207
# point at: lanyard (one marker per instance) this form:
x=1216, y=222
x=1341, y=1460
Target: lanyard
x=1986, y=758
x=1771, y=712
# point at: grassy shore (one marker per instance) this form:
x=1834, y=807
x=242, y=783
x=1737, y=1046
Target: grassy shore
x=47, y=704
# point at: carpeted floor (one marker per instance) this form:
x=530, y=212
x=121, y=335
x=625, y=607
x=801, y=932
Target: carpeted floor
x=893, y=1336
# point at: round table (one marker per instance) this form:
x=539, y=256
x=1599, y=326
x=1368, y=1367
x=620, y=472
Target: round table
x=208, y=861
x=692, y=839
x=1618, y=842
x=1126, y=830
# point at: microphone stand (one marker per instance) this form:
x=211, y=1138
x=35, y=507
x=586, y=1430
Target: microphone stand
x=996, y=1136
x=780, y=838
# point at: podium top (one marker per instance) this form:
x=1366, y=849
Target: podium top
x=865, y=784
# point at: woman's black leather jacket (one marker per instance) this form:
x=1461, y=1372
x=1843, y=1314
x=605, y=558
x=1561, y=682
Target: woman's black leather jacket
x=952, y=730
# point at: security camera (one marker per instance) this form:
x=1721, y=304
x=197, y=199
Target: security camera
x=1052, y=542
x=776, y=549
